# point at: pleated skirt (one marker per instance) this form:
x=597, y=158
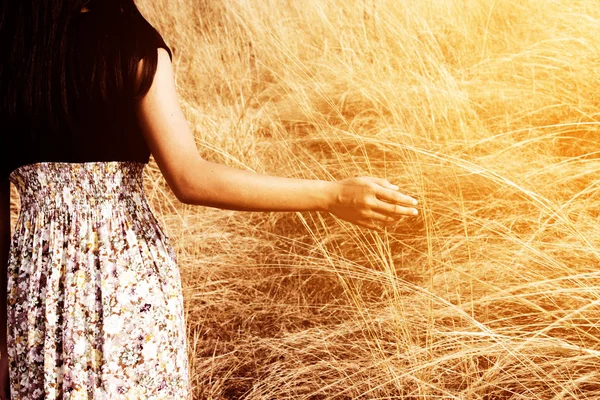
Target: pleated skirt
x=95, y=307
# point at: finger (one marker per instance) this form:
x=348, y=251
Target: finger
x=380, y=217
x=394, y=209
x=393, y=196
x=385, y=183
x=402, y=198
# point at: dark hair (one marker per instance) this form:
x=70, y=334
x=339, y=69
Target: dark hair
x=47, y=66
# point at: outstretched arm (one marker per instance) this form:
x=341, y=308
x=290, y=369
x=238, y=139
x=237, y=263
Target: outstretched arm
x=4, y=248
x=198, y=181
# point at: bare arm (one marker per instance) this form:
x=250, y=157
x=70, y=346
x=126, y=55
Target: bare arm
x=198, y=181
x=4, y=248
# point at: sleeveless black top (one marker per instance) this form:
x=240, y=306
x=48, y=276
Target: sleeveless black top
x=111, y=135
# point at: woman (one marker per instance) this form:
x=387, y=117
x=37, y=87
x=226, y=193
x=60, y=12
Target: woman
x=89, y=278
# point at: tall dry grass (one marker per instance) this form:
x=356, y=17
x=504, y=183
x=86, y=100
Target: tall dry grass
x=487, y=111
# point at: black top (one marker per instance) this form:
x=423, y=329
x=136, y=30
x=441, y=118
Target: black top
x=103, y=135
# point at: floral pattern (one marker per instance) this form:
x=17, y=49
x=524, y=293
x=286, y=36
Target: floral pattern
x=94, y=293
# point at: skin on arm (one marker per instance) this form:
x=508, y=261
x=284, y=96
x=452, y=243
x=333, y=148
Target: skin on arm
x=4, y=249
x=195, y=180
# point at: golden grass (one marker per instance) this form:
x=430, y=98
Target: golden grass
x=487, y=111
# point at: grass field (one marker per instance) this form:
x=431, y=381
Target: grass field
x=486, y=111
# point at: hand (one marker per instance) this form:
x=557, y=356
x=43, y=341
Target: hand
x=4, y=378
x=367, y=200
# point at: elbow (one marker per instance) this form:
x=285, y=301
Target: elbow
x=187, y=191
x=182, y=194
x=178, y=186
x=183, y=181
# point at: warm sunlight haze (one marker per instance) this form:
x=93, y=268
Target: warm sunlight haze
x=485, y=111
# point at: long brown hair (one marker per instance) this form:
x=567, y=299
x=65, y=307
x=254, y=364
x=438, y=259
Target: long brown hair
x=44, y=74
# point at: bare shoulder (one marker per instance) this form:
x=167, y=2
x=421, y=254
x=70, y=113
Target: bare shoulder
x=164, y=65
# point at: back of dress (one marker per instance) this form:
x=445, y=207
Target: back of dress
x=95, y=307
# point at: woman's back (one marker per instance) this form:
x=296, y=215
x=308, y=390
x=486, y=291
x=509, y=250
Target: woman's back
x=95, y=308
x=75, y=103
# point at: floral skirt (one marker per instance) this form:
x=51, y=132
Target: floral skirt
x=95, y=307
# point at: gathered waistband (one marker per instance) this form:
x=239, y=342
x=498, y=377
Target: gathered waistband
x=60, y=184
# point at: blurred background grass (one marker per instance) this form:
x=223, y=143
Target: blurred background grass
x=486, y=111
